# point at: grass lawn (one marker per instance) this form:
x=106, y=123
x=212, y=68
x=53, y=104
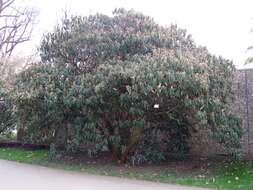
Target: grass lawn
x=229, y=175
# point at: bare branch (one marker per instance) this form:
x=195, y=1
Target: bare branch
x=16, y=25
x=4, y=4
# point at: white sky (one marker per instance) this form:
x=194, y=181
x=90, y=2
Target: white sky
x=223, y=26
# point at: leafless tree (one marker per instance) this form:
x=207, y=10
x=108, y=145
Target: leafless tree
x=16, y=25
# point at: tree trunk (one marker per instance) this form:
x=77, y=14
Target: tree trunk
x=132, y=143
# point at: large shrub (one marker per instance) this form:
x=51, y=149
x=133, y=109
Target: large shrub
x=121, y=102
x=125, y=83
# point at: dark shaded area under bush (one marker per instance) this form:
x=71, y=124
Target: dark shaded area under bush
x=27, y=146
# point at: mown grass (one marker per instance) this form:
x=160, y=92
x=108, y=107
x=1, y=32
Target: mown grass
x=228, y=175
x=22, y=155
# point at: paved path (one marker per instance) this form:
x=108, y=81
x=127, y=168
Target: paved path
x=16, y=176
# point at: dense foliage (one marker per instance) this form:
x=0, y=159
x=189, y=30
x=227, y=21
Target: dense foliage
x=6, y=115
x=127, y=85
x=6, y=119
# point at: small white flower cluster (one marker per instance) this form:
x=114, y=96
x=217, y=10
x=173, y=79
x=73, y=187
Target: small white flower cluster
x=156, y=106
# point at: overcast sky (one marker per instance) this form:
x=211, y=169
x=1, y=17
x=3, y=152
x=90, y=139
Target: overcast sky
x=223, y=26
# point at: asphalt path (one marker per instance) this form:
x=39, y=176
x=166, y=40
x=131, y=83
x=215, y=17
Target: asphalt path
x=17, y=176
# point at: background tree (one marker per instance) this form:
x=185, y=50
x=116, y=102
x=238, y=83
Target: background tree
x=16, y=25
x=9, y=67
